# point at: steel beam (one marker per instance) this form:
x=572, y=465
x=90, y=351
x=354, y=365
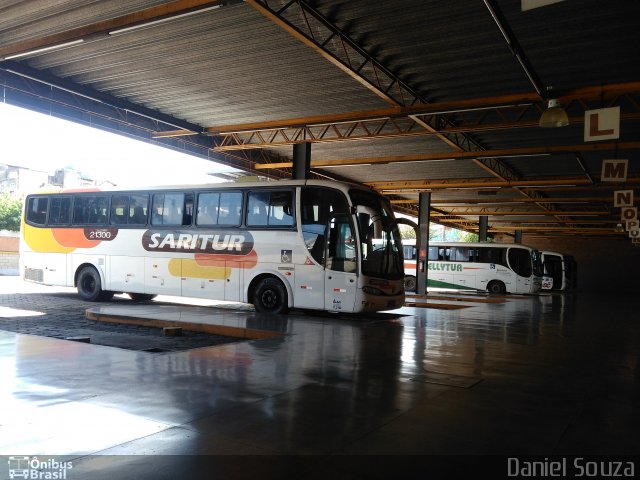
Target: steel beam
x=496, y=153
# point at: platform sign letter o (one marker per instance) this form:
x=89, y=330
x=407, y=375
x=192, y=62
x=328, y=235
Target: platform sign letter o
x=629, y=213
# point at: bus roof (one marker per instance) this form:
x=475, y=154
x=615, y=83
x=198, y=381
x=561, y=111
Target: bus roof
x=344, y=186
x=442, y=243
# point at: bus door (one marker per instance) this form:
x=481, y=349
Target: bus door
x=341, y=261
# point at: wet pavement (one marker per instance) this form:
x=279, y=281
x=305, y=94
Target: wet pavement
x=426, y=392
x=59, y=313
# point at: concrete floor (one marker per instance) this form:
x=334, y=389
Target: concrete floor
x=337, y=396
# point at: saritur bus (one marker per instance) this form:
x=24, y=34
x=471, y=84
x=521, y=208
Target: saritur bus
x=491, y=267
x=278, y=245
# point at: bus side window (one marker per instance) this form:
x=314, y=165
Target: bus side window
x=60, y=211
x=119, y=209
x=90, y=210
x=172, y=209
x=230, y=208
x=433, y=253
x=257, y=210
x=37, y=210
x=208, y=209
x=281, y=209
x=138, y=205
x=460, y=254
x=270, y=208
x=492, y=255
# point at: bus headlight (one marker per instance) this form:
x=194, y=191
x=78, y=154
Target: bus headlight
x=372, y=290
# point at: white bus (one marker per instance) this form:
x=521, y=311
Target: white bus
x=305, y=244
x=560, y=271
x=494, y=267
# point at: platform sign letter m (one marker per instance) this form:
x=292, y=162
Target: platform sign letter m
x=614, y=170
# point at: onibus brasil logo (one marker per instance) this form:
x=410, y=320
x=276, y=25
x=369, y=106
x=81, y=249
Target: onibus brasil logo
x=33, y=468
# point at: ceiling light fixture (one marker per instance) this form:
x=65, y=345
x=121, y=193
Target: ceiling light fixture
x=43, y=49
x=554, y=116
x=163, y=20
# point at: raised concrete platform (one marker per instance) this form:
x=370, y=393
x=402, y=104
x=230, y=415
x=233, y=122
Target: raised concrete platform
x=197, y=319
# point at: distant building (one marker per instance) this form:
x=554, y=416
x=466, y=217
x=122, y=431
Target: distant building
x=18, y=181
x=70, y=178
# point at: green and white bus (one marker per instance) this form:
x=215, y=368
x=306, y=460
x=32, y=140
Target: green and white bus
x=492, y=267
x=283, y=244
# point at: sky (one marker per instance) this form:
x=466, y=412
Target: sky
x=42, y=142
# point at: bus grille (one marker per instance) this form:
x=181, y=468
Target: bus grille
x=35, y=275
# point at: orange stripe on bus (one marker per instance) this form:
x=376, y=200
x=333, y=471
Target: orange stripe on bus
x=73, y=237
x=221, y=260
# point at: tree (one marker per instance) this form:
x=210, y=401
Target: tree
x=10, y=211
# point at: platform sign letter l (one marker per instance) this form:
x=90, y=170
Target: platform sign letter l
x=602, y=124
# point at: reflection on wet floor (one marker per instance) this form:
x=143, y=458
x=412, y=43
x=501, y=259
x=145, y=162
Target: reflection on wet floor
x=544, y=375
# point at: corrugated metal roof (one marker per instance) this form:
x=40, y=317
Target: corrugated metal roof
x=234, y=65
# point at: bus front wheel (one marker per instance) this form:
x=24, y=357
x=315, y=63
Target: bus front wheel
x=495, y=286
x=90, y=286
x=410, y=283
x=270, y=296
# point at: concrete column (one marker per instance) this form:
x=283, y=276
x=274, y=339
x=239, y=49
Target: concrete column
x=301, y=161
x=483, y=228
x=518, y=237
x=422, y=243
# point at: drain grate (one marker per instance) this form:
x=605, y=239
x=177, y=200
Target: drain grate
x=447, y=379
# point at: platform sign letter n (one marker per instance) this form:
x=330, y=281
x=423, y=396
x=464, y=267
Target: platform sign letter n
x=623, y=198
x=614, y=170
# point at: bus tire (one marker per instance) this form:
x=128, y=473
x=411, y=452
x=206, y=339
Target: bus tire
x=496, y=286
x=141, y=297
x=270, y=296
x=410, y=283
x=90, y=287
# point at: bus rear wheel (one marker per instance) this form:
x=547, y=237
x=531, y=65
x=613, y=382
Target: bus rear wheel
x=270, y=296
x=141, y=297
x=90, y=286
x=496, y=286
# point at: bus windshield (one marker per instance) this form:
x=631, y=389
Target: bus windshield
x=380, y=241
